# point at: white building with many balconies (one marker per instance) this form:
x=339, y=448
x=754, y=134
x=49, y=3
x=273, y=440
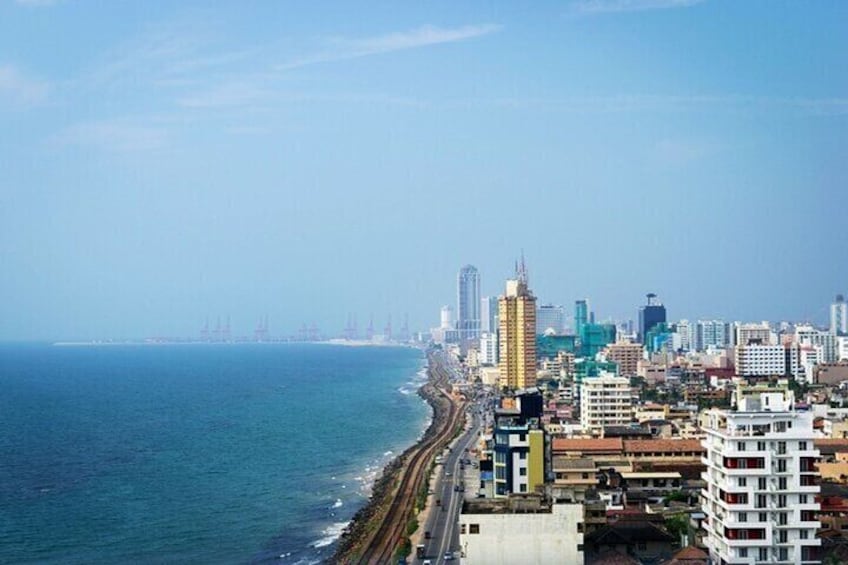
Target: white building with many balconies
x=762, y=483
x=605, y=401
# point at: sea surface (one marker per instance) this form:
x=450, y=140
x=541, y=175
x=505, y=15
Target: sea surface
x=195, y=453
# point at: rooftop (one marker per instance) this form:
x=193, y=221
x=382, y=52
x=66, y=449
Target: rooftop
x=585, y=444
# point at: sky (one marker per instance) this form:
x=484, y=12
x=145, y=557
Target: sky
x=162, y=162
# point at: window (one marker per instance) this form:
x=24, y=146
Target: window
x=743, y=516
x=781, y=466
x=761, y=501
x=740, y=445
x=523, y=471
x=641, y=546
x=473, y=528
x=803, y=534
x=802, y=446
x=761, y=483
x=522, y=437
x=585, y=476
x=781, y=519
x=783, y=536
x=763, y=517
x=781, y=447
x=764, y=554
x=802, y=499
x=743, y=482
x=743, y=552
x=461, y=529
x=761, y=446
x=782, y=554
x=781, y=501
x=522, y=455
x=781, y=483
x=522, y=487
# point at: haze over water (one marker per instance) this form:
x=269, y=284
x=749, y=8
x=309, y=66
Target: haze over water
x=195, y=453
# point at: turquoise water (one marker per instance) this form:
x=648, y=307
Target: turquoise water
x=195, y=453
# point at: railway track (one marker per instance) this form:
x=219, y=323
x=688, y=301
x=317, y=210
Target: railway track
x=391, y=532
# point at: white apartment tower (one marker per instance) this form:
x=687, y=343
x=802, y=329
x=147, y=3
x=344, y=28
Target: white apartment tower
x=839, y=316
x=605, y=401
x=468, y=302
x=761, y=481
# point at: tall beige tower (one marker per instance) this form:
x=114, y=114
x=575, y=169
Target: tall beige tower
x=517, y=336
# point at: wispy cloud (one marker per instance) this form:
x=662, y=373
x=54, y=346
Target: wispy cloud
x=629, y=103
x=342, y=49
x=17, y=89
x=617, y=6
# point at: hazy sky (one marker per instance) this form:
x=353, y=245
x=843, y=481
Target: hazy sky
x=160, y=163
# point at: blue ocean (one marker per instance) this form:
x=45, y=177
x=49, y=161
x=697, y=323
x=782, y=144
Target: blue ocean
x=195, y=453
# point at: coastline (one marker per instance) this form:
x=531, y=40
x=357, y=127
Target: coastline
x=350, y=543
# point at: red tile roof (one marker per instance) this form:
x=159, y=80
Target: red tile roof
x=662, y=445
x=580, y=444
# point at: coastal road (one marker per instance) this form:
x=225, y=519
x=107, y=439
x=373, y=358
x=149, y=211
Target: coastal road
x=443, y=520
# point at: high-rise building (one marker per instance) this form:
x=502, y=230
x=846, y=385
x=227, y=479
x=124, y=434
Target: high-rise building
x=468, y=302
x=761, y=480
x=581, y=315
x=750, y=334
x=627, y=356
x=839, y=316
x=549, y=317
x=650, y=315
x=517, y=333
x=757, y=360
x=489, y=314
x=710, y=334
x=605, y=401
x=808, y=335
x=686, y=333
x=488, y=348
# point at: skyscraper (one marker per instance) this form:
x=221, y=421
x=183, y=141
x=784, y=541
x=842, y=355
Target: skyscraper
x=468, y=303
x=761, y=480
x=650, y=315
x=517, y=337
x=549, y=317
x=489, y=314
x=581, y=315
x=839, y=316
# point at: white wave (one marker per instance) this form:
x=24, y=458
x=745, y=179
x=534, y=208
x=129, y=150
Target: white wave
x=331, y=533
x=337, y=503
x=386, y=454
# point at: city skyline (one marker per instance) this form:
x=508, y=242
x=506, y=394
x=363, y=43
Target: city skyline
x=163, y=163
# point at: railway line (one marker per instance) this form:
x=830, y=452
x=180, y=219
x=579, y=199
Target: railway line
x=391, y=531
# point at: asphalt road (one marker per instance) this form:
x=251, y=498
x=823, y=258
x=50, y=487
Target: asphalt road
x=443, y=521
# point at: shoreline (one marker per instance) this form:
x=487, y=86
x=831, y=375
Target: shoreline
x=349, y=544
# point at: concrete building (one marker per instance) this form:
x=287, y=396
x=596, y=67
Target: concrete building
x=808, y=335
x=489, y=314
x=627, y=356
x=468, y=303
x=488, y=349
x=502, y=532
x=760, y=360
x=650, y=315
x=839, y=316
x=519, y=458
x=710, y=334
x=761, y=481
x=517, y=334
x=550, y=317
x=605, y=401
x=755, y=334
x=686, y=334
x=581, y=315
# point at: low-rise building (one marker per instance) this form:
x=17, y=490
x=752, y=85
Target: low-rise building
x=520, y=531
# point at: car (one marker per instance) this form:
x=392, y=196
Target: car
x=447, y=473
x=448, y=556
x=427, y=562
